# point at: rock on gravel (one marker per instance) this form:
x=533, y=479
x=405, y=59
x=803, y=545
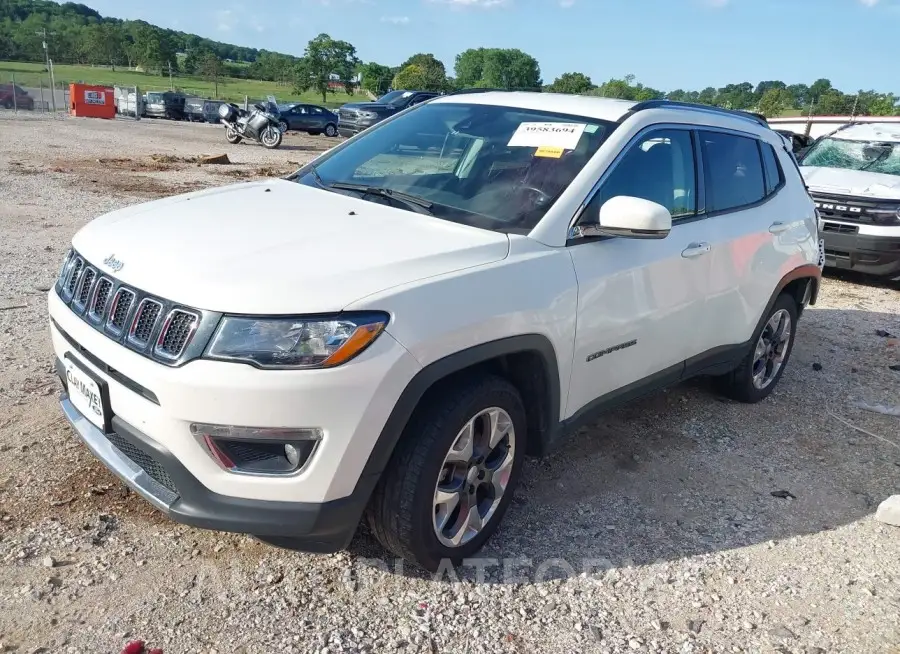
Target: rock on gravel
x=889, y=511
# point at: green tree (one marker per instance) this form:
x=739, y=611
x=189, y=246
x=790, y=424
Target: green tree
x=833, y=103
x=800, y=95
x=617, y=88
x=411, y=77
x=469, y=67
x=433, y=74
x=775, y=101
x=571, y=83
x=103, y=43
x=497, y=68
x=883, y=104
x=211, y=68
x=708, y=96
x=325, y=57
x=819, y=88
x=376, y=78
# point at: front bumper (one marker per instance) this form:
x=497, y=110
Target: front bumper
x=873, y=255
x=157, y=476
x=348, y=129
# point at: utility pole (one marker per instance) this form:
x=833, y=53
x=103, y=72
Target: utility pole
x=44, y=34
x=853, y=111
x=171, y=86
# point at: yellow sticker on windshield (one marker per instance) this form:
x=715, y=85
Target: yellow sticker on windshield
x=549, y=151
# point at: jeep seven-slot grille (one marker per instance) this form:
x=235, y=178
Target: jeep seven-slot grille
x=145, y=320
x=87, y=283
x=180, y=328
x=121, y=307
x=150, y=325
x=74, y=275
x=101, y=297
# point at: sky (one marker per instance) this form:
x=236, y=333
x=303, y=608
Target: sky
x=666, y=44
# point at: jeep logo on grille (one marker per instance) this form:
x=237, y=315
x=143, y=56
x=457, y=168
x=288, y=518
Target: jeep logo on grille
x=113, y=264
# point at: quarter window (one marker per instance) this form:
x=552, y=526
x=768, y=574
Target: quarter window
x=660, y=168
x=774, y=176
x=733, y=170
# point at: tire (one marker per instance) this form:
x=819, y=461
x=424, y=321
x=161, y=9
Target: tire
x=331, y=130
x=271, y=137
x=232, y=136
x=404, y=511
x=7, y=104
x=740, y=384
x=283, y=126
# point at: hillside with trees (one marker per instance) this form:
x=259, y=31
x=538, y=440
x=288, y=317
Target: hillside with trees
x=80, y=35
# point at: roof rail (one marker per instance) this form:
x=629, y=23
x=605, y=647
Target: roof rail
x=473, y=90
x=691, y=106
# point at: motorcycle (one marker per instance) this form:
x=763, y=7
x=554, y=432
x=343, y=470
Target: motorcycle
x=258, y=125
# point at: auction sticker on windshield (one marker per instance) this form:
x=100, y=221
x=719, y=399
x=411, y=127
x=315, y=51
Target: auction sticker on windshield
x=550, y=135
x=84, y=393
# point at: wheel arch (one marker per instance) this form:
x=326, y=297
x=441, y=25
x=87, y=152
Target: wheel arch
x=528, y=361
x=801, y=283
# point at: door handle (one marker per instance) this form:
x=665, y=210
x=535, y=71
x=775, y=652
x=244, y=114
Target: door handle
x=696, y=250
x=779, y=227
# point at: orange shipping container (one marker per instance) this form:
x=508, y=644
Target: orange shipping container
x=91, y=101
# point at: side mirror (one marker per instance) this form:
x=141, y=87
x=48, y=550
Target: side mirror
x=634, y=218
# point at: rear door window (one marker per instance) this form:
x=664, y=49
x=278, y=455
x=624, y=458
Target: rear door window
x=733, y=171
x=774, y=176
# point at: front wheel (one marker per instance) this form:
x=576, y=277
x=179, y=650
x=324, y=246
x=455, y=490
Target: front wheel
x=453, y=474
x=283, y=126
x=271, y=137
x=759, y=372
x=331, y=130
x=232, y=136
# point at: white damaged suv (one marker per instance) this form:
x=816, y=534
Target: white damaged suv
x=392, y=329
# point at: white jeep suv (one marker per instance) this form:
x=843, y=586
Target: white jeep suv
x=393, y=328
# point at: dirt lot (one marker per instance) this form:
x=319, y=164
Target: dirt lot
x=655, y=530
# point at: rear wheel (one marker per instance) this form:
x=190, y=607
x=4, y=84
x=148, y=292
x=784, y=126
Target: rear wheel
x=759, y=372
x=232, y=136
x=453, y=474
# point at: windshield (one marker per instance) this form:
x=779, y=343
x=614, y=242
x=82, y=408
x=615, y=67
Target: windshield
x=394, y=97
x=498, y=168
x=870, y=156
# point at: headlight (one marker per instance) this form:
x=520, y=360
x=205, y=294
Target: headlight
x=368, y=115
x=313, y=342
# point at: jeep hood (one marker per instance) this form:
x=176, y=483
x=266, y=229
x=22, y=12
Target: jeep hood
x=277, y=247
x=859, y=183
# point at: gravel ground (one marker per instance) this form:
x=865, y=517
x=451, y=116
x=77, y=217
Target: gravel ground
x=655, y=530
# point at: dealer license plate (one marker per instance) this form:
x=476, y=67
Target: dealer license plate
x=84, y=393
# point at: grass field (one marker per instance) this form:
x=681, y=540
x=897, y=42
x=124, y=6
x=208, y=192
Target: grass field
x=32, y=75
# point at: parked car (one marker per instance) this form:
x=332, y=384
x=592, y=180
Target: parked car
x=853, y=175
x=14, y=96
x=166, y=104
x=310, y=118
x=388, y=333
x=354, y=117
x=201, y=110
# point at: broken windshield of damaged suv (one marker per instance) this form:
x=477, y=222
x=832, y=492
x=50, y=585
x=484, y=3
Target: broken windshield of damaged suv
x=388, y=333
x=854, y=178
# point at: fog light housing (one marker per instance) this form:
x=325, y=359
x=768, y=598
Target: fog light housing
x=258, y=450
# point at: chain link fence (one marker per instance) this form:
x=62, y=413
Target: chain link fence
x=34, y=94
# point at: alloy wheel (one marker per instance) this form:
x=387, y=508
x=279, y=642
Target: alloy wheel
x=474, y=477
x=771, y=349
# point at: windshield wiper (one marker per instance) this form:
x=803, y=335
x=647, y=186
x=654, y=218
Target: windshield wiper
x=412, y=201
